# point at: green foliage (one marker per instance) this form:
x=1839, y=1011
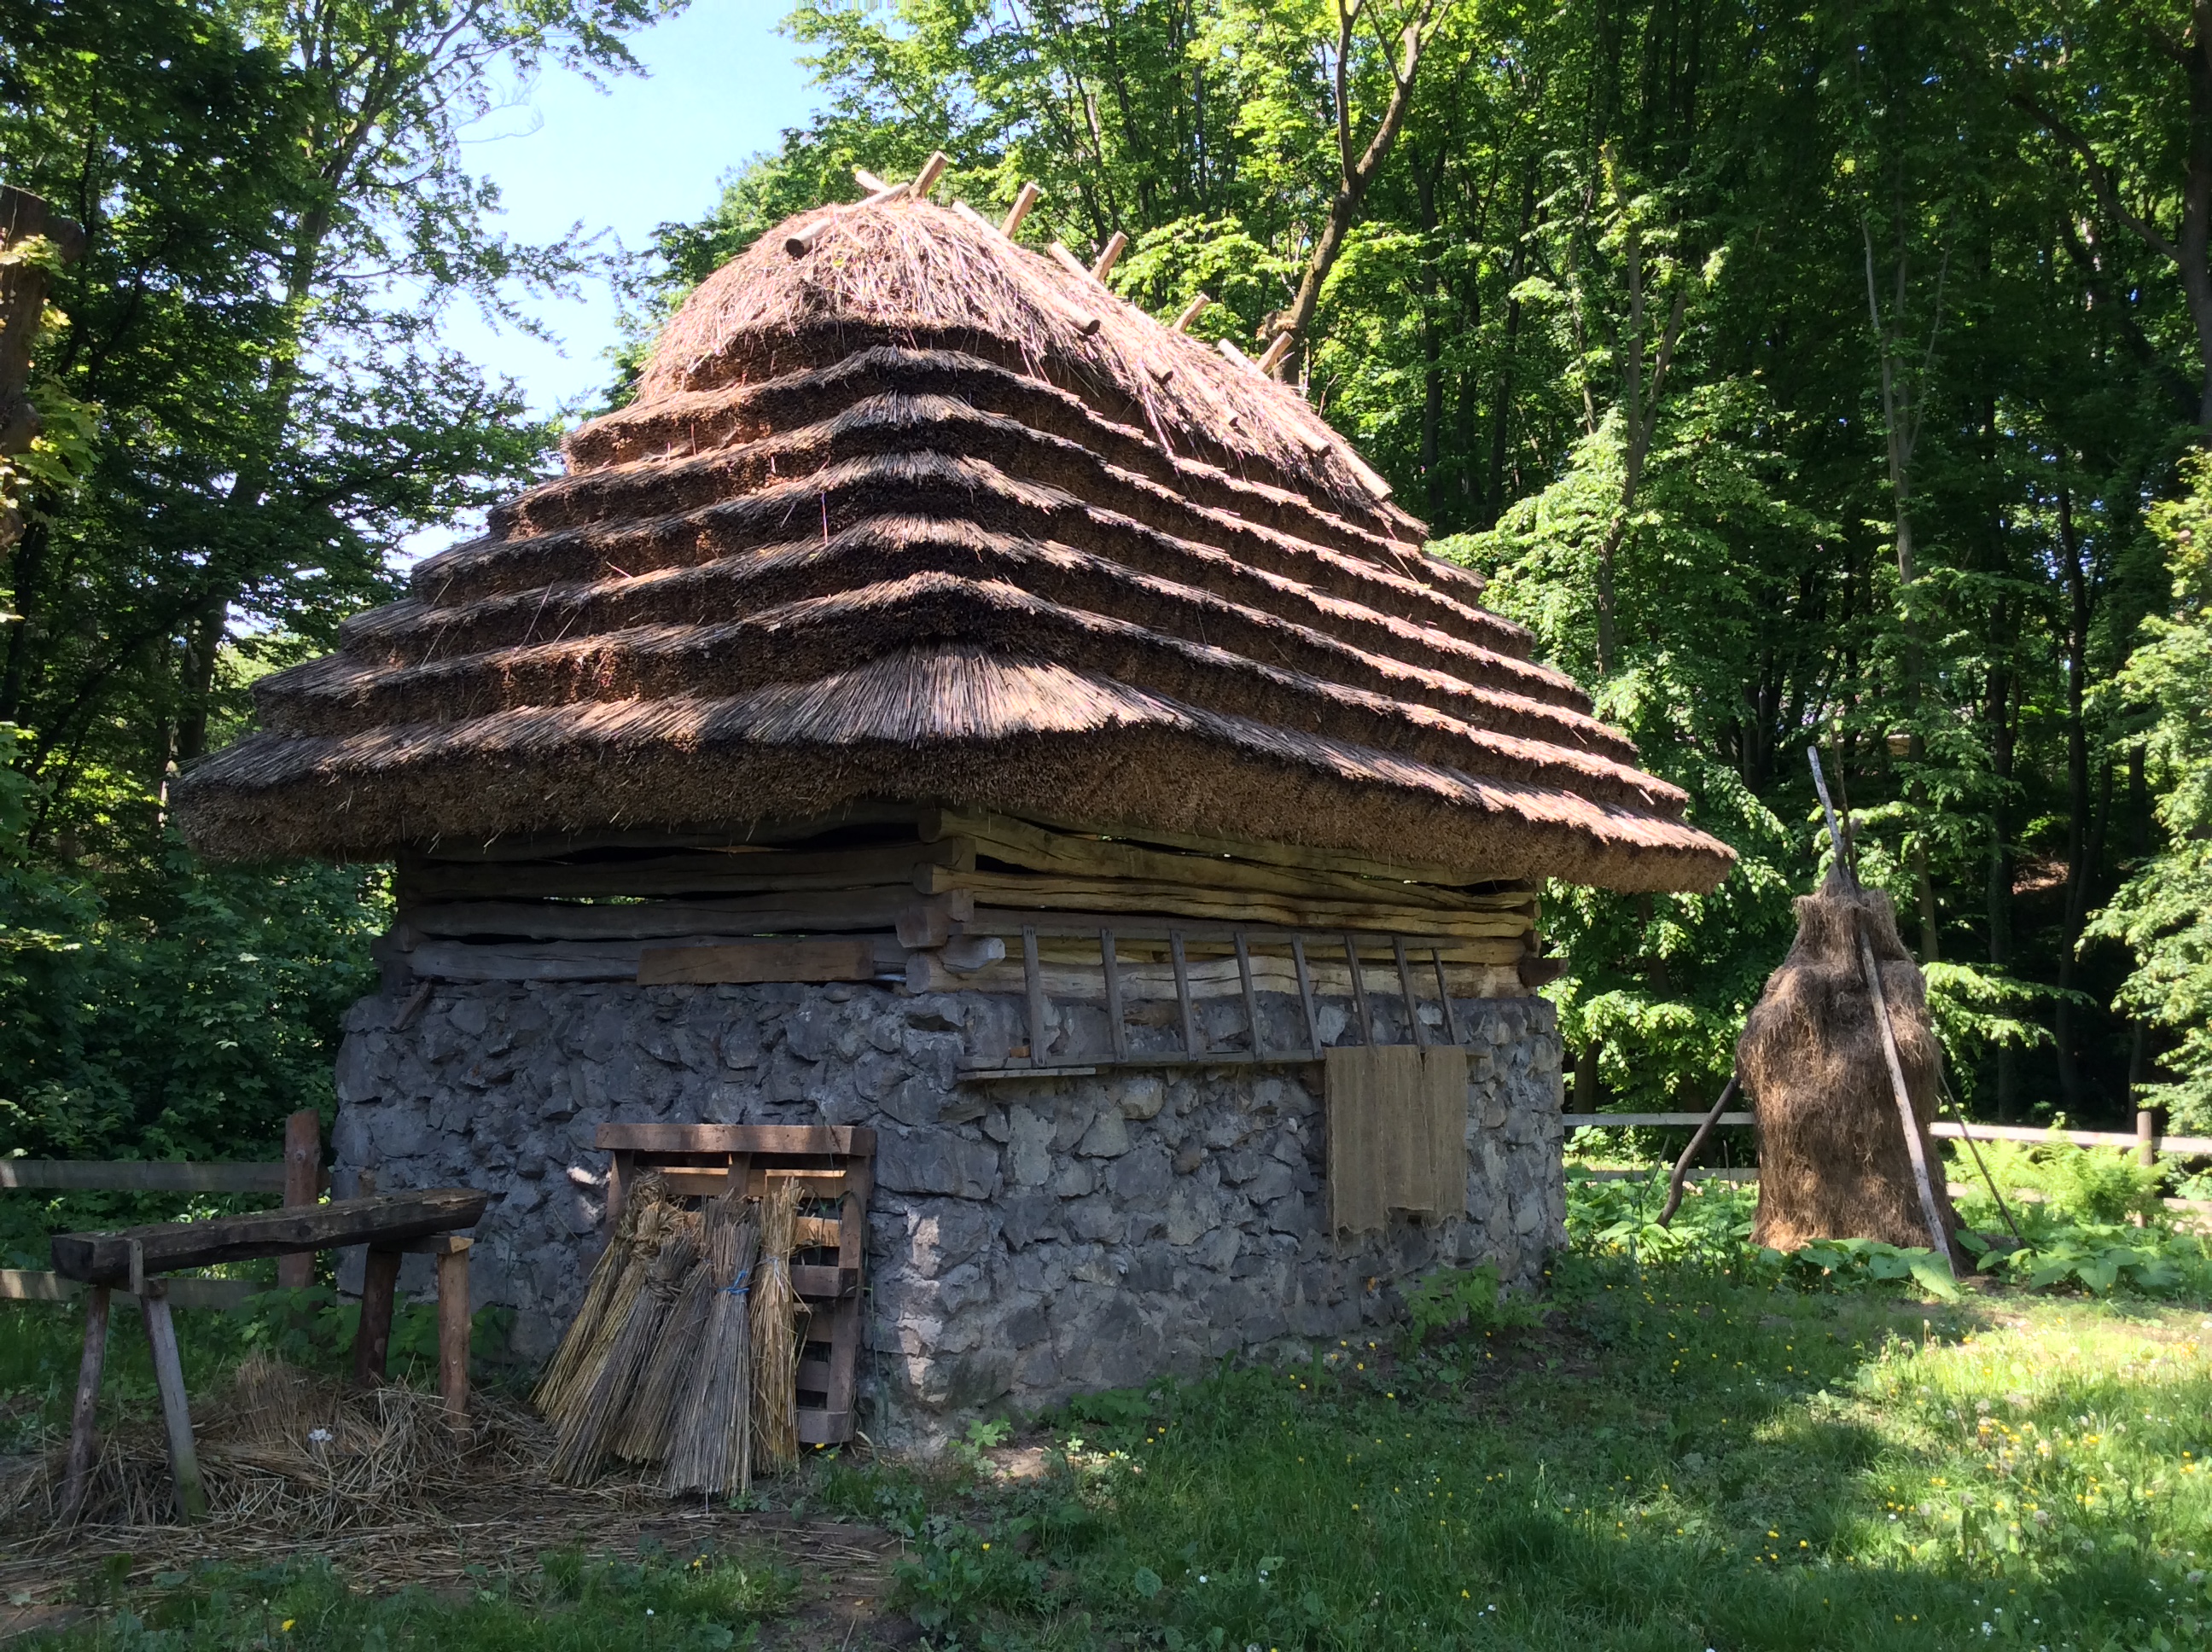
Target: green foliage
x=1472, y=1297
x=2163, y=913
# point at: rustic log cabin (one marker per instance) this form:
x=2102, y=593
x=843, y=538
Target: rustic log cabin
x=953, y=710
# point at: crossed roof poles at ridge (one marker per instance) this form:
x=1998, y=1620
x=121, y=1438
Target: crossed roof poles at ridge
x=800, y=241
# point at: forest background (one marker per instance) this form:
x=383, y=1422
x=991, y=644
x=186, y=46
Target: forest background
x=1837, y=372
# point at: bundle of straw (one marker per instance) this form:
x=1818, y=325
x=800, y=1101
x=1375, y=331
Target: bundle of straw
x=710, y=1448
x=651, y=1412
x=598, y=1415
x=579, y=1350
x=776, y=1315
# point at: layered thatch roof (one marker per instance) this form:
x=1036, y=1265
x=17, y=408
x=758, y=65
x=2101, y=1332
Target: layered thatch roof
x=906, y=512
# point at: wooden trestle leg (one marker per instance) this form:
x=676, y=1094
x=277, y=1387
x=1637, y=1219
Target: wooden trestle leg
x=454, y=1330
x=84, y=1438
x=372, y=1342
x=176, y=1411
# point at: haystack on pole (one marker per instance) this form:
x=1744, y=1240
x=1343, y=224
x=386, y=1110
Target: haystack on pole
x=1841, y=1060
x=1938, y=1240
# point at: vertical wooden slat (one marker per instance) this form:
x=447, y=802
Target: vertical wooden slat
x=1359, y=991
x=618, y=1180
x=1406, y=987
x=1033, y=982
x=372, y=1342
x=454, y=1330
x=1113, y=972
x=303, y=1165
x=1444, y=995
x=176, y=1411
x=1183, y=994
x=1251, y=997
x=1306, y=995
x=83, y=1418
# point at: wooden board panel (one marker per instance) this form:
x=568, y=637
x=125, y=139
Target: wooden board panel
x=105, y=1258
x=1036, y=848
x=795, y=1138
x=936, y=824
x=134, y=1176
x=731, y=872
x=749, y=962
x=1063, y=893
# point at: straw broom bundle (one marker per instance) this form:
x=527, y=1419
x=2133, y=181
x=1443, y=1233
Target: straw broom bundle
x=650, y=1414
x=598, y=1413
x=710, y=1448
x=579, y=1350
x=776, y=1311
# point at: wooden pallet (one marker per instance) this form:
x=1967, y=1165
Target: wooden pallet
x=837, y=1165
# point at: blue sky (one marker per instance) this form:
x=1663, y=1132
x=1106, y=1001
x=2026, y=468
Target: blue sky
x=720, y=84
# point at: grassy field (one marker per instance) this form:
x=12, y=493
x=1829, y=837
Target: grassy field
x=1700, y=1451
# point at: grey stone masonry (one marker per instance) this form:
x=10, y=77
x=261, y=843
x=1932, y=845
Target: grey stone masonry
x=1028, y=1238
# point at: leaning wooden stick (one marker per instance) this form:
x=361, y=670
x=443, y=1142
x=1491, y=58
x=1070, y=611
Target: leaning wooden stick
x=1913, y=1146
x=1690, y=1153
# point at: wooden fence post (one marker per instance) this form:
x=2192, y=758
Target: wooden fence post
x=2146, y=1135
x=303, y=1165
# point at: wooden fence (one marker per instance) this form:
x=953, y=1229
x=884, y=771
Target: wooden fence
x=2146, y=1141
x=298, y=1176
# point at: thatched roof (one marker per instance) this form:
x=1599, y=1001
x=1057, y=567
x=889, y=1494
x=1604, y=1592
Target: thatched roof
x=915, y=514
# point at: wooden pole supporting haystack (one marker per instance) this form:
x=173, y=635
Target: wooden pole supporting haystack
x=1913, y=1146
x=1690, y=1153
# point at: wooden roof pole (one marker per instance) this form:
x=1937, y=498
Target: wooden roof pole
x=1191, y=312
x=1029, y=197
x=1104, y=267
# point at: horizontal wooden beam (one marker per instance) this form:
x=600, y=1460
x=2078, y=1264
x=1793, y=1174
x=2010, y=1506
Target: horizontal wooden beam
x=142, y=1176
x=2193, y=1145
x=1648, y=1121
x=166, y=1246
x=1750, y=1175
x=564, y=920
x=747, y=963
x=689, y=871
x=651, y=1139
x=941, y=822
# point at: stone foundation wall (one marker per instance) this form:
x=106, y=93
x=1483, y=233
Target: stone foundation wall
x=1028, y=1238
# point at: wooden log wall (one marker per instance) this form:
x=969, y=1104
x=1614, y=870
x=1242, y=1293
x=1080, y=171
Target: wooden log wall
x=939, y=899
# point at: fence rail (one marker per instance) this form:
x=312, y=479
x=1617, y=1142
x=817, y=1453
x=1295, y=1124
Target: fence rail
x=299, y=1177
x=2144, y=1138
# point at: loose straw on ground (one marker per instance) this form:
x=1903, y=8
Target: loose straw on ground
x=776, y=1310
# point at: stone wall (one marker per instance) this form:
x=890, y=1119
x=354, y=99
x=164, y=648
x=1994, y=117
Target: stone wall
x=1028, y=1238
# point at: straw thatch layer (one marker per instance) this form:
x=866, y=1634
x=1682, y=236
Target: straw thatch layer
x=920, y=518
x=1020, y=737
x=1833, y=1159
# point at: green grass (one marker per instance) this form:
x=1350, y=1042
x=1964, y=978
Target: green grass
x=1702, y=1446
x=1683, y=1464
x=569, y=1603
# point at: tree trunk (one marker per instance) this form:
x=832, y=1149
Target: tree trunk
x=1353, y=176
